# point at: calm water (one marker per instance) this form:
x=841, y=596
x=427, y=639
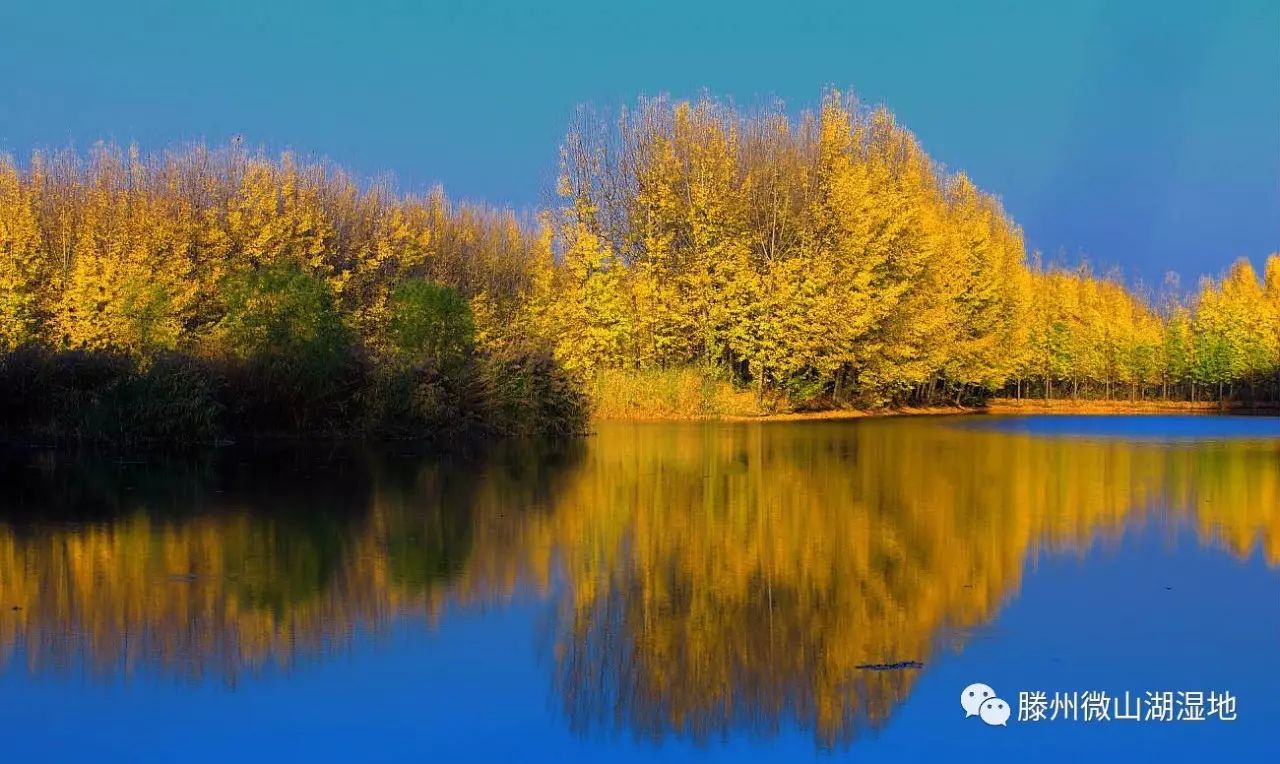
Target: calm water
x=657, y=592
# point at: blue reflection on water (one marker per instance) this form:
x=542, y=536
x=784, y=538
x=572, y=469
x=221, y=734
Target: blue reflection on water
x=1157, y=609
x=476, y=689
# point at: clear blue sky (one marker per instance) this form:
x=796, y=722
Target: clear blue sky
x=1143, y=134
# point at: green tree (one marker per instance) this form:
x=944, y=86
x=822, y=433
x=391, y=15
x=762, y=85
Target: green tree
x=430, y=322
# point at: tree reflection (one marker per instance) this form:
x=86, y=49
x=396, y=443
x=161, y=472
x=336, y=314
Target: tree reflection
x=704, y=578
x=738, y=577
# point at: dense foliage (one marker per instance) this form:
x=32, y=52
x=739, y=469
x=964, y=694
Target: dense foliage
x=824, y=260
x=293, y=301
x=830, y=257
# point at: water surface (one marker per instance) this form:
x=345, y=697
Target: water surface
x=656, y=592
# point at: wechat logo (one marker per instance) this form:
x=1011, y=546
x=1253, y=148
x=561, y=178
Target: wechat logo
x=980, y=700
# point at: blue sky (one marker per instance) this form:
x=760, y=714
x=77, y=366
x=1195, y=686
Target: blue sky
x=1142, y=134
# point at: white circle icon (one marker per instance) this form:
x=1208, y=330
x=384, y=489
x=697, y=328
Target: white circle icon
x=974, y=696
x=995, y=712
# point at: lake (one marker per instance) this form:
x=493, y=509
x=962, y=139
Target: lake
x=655, y=592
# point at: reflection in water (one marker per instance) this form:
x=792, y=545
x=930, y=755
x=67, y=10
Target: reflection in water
x=225, y=564
x=704, y=577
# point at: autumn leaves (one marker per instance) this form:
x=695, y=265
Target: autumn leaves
x=829, y=258
x=822, y=259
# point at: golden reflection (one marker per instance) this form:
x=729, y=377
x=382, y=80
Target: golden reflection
x=703, y=576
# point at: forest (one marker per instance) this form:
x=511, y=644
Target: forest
x=831, y=258
x=815, y=261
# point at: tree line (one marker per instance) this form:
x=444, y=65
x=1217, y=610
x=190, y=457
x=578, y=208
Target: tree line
x=205, y=293
x=823, y=259
x=829, y=257
x=1094, y=337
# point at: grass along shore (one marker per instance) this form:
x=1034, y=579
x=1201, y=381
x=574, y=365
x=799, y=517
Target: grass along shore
x=1085, y=406
x=690, y=394
x=997, y=407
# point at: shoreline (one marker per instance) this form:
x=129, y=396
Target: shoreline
x=997, y=407
x=1039, y=406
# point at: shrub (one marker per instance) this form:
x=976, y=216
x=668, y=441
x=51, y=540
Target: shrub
x=284, y=363
x=430, y=323
x=533, y=395
x=64, y=396
x=102, y=396
x=282, y=310
x=293, y=364
x=681, y=392
x=173, y=399
x=422, y=401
